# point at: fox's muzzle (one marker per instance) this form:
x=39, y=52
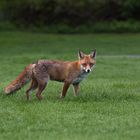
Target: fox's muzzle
x=88, y=70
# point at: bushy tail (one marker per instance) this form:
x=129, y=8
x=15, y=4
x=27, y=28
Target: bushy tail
x=21, y=80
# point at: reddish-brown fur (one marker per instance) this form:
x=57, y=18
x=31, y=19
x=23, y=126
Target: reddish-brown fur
x=20, y=81
x=44, y=70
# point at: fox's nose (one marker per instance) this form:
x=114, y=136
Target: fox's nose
x=88, y=70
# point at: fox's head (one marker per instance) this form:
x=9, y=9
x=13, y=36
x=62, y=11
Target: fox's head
x=87, y=62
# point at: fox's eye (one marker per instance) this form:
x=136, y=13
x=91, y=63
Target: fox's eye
x=91, y=64
x=84, y=64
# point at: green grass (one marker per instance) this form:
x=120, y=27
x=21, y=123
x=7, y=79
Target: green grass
x=109, y=103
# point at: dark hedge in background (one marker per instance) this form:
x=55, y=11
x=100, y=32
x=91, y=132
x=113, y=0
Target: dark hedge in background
x=68, y=12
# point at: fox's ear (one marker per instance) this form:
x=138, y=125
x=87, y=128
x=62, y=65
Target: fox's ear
x=93, y=54
x=80, y=54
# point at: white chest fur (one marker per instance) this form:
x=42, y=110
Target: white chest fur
x=79, y=78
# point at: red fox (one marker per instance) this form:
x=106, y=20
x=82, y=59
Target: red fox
x=44, y=70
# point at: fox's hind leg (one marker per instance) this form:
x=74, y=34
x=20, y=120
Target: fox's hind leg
x=42, y=83
x=33, y=86
x=41, y=87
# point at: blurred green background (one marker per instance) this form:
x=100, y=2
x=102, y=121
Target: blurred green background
x=71, y=16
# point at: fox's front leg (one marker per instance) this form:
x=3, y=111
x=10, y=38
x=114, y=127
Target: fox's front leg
x=76, y=89
x=65, y=88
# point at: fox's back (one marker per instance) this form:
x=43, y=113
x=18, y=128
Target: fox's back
x=56, y=70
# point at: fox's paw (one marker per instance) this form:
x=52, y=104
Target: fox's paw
x=61, y=98
x=76, y=95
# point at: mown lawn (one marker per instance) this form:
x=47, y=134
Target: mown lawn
x=108, y=107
